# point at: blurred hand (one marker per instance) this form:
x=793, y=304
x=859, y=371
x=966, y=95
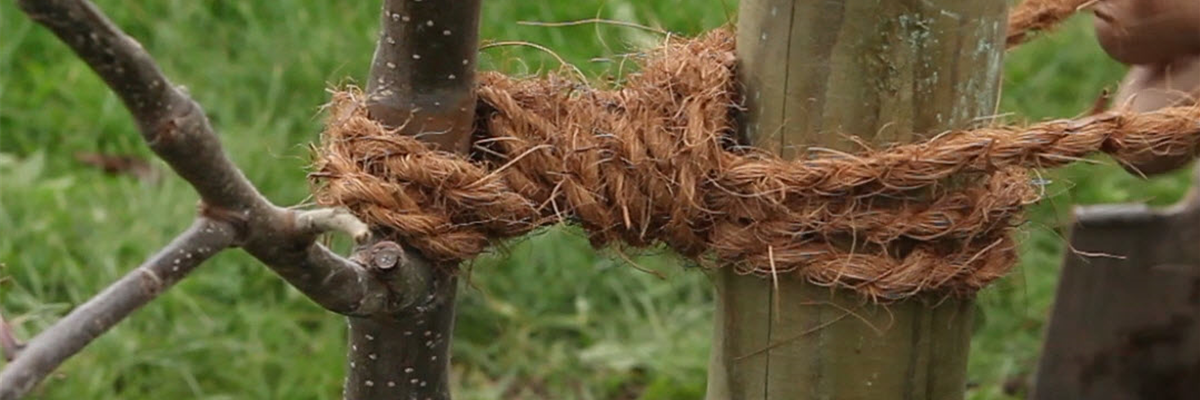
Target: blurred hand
x=1148, y=31
x=1153, y=86
x=1160, y=39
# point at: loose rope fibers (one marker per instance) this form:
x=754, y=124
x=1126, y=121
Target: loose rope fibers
x=654, y=161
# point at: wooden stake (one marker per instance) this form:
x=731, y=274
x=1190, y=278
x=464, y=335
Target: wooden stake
x=1124, y=324
x=815, y=72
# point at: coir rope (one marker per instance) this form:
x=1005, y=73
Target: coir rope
x=654, y=162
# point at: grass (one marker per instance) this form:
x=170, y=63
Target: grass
x=549, y=318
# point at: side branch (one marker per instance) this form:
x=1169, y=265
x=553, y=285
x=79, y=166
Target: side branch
x=171, y=123
x=177, y=129
x=68, y=336
x=332, y=281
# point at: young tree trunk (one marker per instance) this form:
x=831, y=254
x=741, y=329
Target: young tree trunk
x=885, y=71
x=422, y=81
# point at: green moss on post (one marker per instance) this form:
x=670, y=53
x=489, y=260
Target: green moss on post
x=814, y=72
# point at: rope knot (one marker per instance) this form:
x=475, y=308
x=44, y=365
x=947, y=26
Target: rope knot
x=652, y=162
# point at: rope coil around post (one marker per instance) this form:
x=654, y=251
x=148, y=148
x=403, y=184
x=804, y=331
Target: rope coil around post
x=655, y=161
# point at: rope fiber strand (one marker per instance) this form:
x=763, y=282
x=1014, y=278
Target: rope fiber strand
x=1032, y=16
x=656, y=161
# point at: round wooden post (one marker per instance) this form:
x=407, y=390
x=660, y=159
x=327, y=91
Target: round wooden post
x=813, y=73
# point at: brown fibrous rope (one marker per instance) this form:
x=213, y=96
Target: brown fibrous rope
x=656, y=162
x=1031, y=16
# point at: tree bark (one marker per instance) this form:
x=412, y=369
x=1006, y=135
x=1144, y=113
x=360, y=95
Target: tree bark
x=885, y=71
x=423, y=74
x=422, y=82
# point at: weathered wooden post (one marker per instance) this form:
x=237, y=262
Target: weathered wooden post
x=886, y=71
x=1125, y=318
x=422, y=81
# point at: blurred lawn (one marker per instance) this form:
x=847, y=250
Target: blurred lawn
x=560, y=321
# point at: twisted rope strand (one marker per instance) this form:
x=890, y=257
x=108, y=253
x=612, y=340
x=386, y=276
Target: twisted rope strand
x=654, y=161
x=1032, y=16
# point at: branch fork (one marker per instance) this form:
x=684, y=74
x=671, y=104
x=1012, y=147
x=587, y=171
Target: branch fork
x=232, y=214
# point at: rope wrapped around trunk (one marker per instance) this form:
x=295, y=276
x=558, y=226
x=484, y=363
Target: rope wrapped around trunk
x=657, y=161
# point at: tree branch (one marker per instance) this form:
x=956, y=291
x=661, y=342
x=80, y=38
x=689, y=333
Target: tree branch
x=171, y=123
x=176, y=128
x=233, y=212
x=336, y=283
x=68, y=336
x=333, y=220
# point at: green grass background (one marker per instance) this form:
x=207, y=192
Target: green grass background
x=549, y=318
